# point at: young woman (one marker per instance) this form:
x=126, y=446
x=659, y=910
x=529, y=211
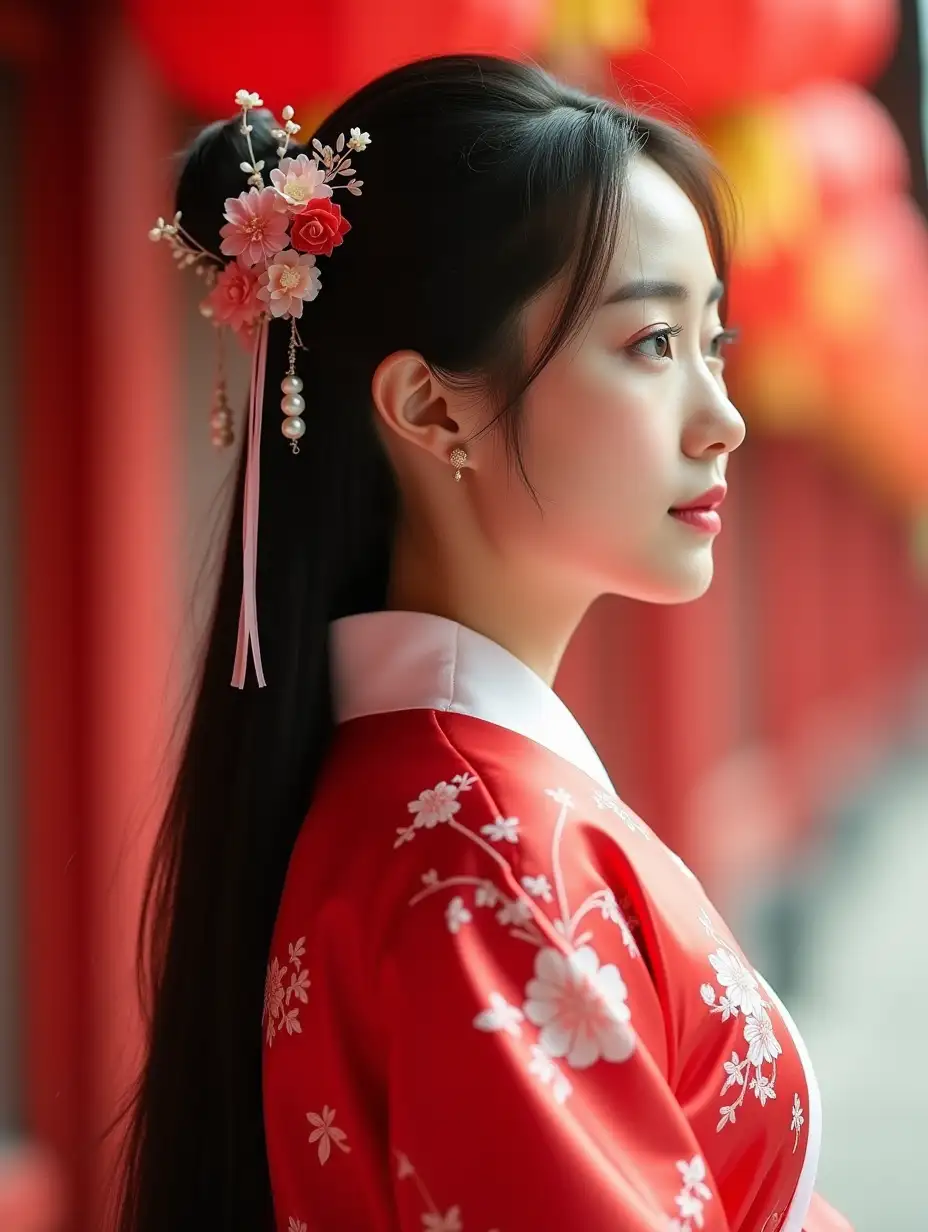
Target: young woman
x=414, y=964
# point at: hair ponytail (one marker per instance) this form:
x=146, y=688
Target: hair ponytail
x=485, y=179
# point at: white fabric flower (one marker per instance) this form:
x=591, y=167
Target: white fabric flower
x=246, y=100
x=763, y=1044
x=438, y=804
x=743, y=991
x=300, y=180
x=501, y=1016
x=580, y=1007
x=538, y=887
x=503, y=830
x=457, y=915
x=358, y=141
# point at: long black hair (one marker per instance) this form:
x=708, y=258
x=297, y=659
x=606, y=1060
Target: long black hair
x=485, y=180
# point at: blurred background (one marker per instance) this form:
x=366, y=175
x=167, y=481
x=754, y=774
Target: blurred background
x=775, y=733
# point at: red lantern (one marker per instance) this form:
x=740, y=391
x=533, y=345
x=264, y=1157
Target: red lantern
x=704, y=55
x=848, y=143
x=208, y=50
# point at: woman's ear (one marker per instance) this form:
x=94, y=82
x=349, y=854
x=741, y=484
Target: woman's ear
x=417, y=407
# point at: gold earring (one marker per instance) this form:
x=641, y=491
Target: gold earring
x=458, y=459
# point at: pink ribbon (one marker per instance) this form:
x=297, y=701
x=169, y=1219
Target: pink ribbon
x=248, y=613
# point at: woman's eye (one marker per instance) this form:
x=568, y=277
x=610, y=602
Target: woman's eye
x=656, y=345
x=720, y=342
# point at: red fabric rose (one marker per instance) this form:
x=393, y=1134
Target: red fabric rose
x=318, y=228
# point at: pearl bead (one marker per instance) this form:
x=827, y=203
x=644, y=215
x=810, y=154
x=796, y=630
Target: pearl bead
x=292, y=404
x=291, y=385
x=293, y=428
x=220, y=417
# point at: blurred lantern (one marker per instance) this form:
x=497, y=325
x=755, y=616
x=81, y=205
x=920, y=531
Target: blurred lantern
x=706, y=55
x=210, y=49
x=847, y=143
x=613, y=24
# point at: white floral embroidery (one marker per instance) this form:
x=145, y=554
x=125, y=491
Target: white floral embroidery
x=742, y=996
x=514, y=912
x=560, y=796
x=503, y=830
x=538, y=887
x=763, y=1089
x=604, y=801
x=430, y=878
x=486, y=895
x=544, y=1068
x=501, y=1016
x=580, y=1007
x=404, y=1167
x=456, y=914
x=797, y=1122
x=694, y=1194
x=296, y=1225
x=433, y=1220
x=434, y=806
x=742, y=986
x=276, y=1015
x=325, y=1133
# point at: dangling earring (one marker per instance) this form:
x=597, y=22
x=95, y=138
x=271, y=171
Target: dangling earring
x=458, y=459
x=292, y=403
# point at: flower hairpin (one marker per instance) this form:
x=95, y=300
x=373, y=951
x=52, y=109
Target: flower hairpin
x=272, y=237
x=266, y=270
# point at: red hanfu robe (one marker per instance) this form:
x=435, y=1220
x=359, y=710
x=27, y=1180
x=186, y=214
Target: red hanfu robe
x=495, y=1000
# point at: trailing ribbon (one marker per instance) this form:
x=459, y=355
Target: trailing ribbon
x=248, y=613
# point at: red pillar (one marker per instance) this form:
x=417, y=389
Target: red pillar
x=99, y=594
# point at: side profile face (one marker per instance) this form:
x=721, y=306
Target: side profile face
x=629, y=421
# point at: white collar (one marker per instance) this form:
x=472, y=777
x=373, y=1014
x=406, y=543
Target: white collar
x=385, y=661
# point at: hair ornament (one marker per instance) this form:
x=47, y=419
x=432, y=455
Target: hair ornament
x=266, y=269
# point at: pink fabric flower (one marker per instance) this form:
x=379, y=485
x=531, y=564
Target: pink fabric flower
x=298, y=181
x=288, y=282
x=256, y=229
x=234, y=301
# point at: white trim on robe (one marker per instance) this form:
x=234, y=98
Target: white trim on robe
x=386, y=661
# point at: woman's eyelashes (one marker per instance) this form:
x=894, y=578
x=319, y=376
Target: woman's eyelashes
x=657, y=346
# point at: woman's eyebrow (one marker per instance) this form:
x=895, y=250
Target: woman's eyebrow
x=647, y=288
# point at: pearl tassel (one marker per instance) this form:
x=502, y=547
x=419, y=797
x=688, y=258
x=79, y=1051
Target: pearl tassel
x=292, y=403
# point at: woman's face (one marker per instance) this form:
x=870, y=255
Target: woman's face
x=627, y=423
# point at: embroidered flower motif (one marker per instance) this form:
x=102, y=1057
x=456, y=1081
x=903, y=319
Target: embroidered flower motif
x=438, y=803
x=763, y=1089
x=256, y=229
x=538, y=887
x=694, y=1194
x=728, y=1116
x=319, y=228
x=604, y=801
x=486, y=894
x=517, y=912
x=761, y=1040
x=430, y=878
x=503, y=830
x=797, y=1122
x=233, y=301
x=449, y=1222
x=549, y=1074
x=296, y=1225
x=741, y=984
x=501, y=1016
x=581, y=1008
x=560, y=796
x=707, y=992
x=298, y=181
x=288, y=282
x=358, y=141
x=735, y=1071
x=457, y=915
x=326, y=1133
x=277, y=997
x=404, y=1168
